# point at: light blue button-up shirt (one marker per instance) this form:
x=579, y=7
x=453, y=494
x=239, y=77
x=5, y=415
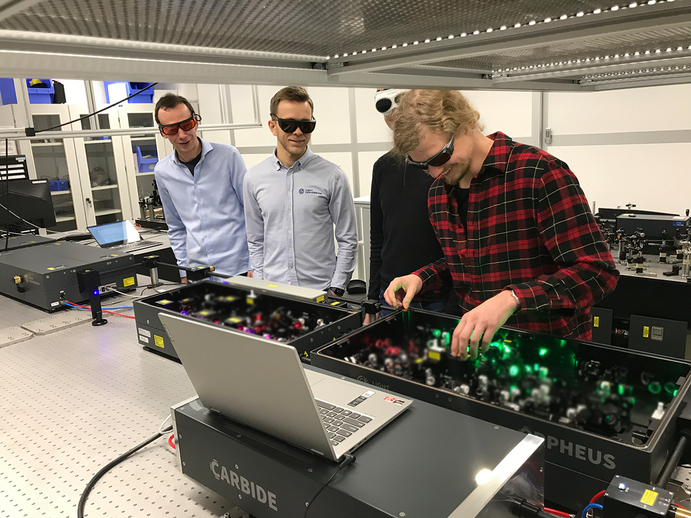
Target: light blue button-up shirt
x=291, y=217
x=205, y=213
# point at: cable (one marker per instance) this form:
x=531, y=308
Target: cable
x=160, y=428
x=99, y=111
x=597, y=496
x=554, y=512
x=108, y=467
x=7, y=190
x=128, y=295
x=588, y=508
x=72, y=304
x=349, y=459
x=674, y=458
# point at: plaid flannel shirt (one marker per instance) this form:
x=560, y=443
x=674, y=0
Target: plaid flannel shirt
x=530, y=230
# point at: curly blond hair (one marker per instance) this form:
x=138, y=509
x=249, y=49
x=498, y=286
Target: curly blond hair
x=439, y=111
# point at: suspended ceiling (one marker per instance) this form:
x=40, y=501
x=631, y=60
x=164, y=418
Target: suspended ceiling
x=518, y=44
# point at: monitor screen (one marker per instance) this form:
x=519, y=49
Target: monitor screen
x=27, y=203
x=112, y=234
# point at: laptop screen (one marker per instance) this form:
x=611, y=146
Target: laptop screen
x=113, y=234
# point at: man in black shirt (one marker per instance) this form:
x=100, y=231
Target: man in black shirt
x=401, y=236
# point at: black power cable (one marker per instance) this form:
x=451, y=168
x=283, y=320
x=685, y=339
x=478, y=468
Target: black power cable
x=99, y=111
x=674, y=458
x=109, y=466
x=7, y=190
x=349, y=459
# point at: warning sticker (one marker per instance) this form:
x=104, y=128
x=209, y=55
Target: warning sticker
x=129, y=281
x=649, y=497
x=646, y=331
x=596, y=321
x=158, y=341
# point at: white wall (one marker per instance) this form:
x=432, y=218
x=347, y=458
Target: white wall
x=628, y=146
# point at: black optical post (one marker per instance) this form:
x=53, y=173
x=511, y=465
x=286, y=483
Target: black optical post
x=89, y=281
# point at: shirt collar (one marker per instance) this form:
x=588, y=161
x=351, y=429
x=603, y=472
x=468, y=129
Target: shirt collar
x=206, y=147
x=300, y=162
x=498, y=156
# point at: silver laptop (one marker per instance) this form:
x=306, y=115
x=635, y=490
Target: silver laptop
x=261, y=383
x=119, y=236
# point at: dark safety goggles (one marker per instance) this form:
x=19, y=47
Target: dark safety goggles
x=290, y=125
x=437, y=160
x=186, y=125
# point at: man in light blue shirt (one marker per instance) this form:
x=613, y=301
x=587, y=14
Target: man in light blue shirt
x=201, y=189
x=294, y=203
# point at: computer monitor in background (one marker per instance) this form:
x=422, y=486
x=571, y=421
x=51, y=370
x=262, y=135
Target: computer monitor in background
x=28, y=201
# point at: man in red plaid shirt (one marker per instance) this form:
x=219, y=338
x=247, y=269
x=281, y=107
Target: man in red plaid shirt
x=520, y=243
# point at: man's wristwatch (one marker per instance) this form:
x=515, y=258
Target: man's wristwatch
x=518, y=302
x=338, y=291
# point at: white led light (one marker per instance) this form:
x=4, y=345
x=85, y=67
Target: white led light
x=579, y=14
x=451, y=36
x=363, y=52
x=515, y=68
x=490, y=29
x=569, y=62
x=532, y=22
x=329, y=57
x=563, y=17
x=394, y=46
x=547, y=20
x=597, y=58
x=658, y=51
x=647, y=52
x=614, y=8
x=522, y=68
x=345, y=54
x=651, y=2
x=416, y=42
x=463, y=35
x=606, y=57
x=597, y=11
x=531, y=66
x=336, y=56
x=680, y=48
x=626, y=55
x=374, y=50
x=689, y=47
x=383, y=48
x=669, y=49
x=438, y=38
x=539, y=66
x=516, y=25
x=502, y=28
x=405, y=44
x=587, y=60
x=476, y=32
x=633, y=4
x=355, y=53
x=483, y=477
x=427, y=40
x=578, y=60
x=636, y=53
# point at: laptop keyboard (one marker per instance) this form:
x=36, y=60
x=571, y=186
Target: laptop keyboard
x=137, y=245
x=340, y=422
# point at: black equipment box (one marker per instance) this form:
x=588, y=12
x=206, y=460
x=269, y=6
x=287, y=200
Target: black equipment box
x=601, y=410
x=626, y=497
x=427, y=463
x=652, y=224
x=45, y=275
x=304, y=325
x=25, y=241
